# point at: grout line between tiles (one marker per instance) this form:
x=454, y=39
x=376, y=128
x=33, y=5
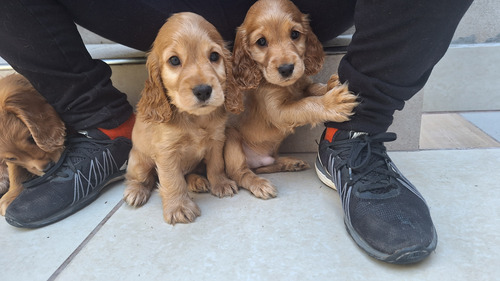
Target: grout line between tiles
x=85, y=241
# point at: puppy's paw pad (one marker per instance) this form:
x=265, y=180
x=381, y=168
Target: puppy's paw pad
x=298, y=166
x=301, y=165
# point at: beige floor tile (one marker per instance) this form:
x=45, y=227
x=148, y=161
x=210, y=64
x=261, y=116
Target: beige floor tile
x=452, y=131
x=300, y=234
x=35, y=254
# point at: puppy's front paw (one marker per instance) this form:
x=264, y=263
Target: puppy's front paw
x=339, y=103
x=135, y=194
x=225, y=187
x=4, y=203
x=180, y=210
x=263, y=189
x=197, y=183
x=3, y=207
x=333, y=82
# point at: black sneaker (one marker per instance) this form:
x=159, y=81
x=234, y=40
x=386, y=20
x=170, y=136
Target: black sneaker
x=85, y=168
x=384, y=213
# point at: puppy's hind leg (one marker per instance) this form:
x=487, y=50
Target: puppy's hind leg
x=237, y=169
x=140, y=179
x=284, y=164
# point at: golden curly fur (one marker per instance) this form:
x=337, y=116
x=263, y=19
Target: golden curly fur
x=274, y=52
x=32, y=137
x=181, y=118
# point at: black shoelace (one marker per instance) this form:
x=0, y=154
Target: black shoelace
x=366, y=162
x=79, y=148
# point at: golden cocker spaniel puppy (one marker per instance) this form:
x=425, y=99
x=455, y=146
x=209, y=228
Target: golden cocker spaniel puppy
x=274, y=52
x=181, y=118
x=32, y=135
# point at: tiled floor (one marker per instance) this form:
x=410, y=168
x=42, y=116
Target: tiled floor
x=297, y=236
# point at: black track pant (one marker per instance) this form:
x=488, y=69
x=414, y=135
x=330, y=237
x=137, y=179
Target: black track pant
x=392, y=53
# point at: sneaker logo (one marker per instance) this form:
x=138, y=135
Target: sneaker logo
x=124, y=166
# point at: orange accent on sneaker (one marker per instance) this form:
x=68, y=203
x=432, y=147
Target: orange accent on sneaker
x=330, y=132
x=124, y=130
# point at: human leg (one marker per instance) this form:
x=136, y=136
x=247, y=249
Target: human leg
x=390, y=58
x=392, y=54
x=41, y=42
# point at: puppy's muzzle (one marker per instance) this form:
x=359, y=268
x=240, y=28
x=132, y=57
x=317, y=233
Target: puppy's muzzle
x=48, y=166
x=286, y=70
x=202, y=92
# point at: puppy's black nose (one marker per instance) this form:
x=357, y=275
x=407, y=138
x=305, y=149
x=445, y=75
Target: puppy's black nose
x=286, y=70
x=202, y=92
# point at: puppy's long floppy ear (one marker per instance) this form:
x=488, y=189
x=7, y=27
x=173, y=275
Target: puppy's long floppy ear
x=43, y=122
x=233, y=100
x=154, y=104
x=245, y=71
x=314, y=56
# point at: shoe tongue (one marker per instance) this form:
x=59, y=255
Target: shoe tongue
x=79, y=152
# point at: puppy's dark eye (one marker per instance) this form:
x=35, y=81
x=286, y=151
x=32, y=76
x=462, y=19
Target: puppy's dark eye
x=214, y=56
x=295, y=34
x=10, y=159
x=262, y=42
x=174, y=60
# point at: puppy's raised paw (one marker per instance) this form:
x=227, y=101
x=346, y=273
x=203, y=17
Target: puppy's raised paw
x=339, y=103
x=333, y=82
x=180, y=210
x=135, y=194
x=197, y=183
x=225, y=187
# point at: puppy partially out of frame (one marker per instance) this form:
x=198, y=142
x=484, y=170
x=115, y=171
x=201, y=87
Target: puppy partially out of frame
x=31, y=139
x=274, y=52
x=181, y=118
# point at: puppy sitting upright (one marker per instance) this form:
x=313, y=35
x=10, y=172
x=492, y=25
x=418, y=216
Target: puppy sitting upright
x=274, y=52
x=32, y=135
x=181, y=118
